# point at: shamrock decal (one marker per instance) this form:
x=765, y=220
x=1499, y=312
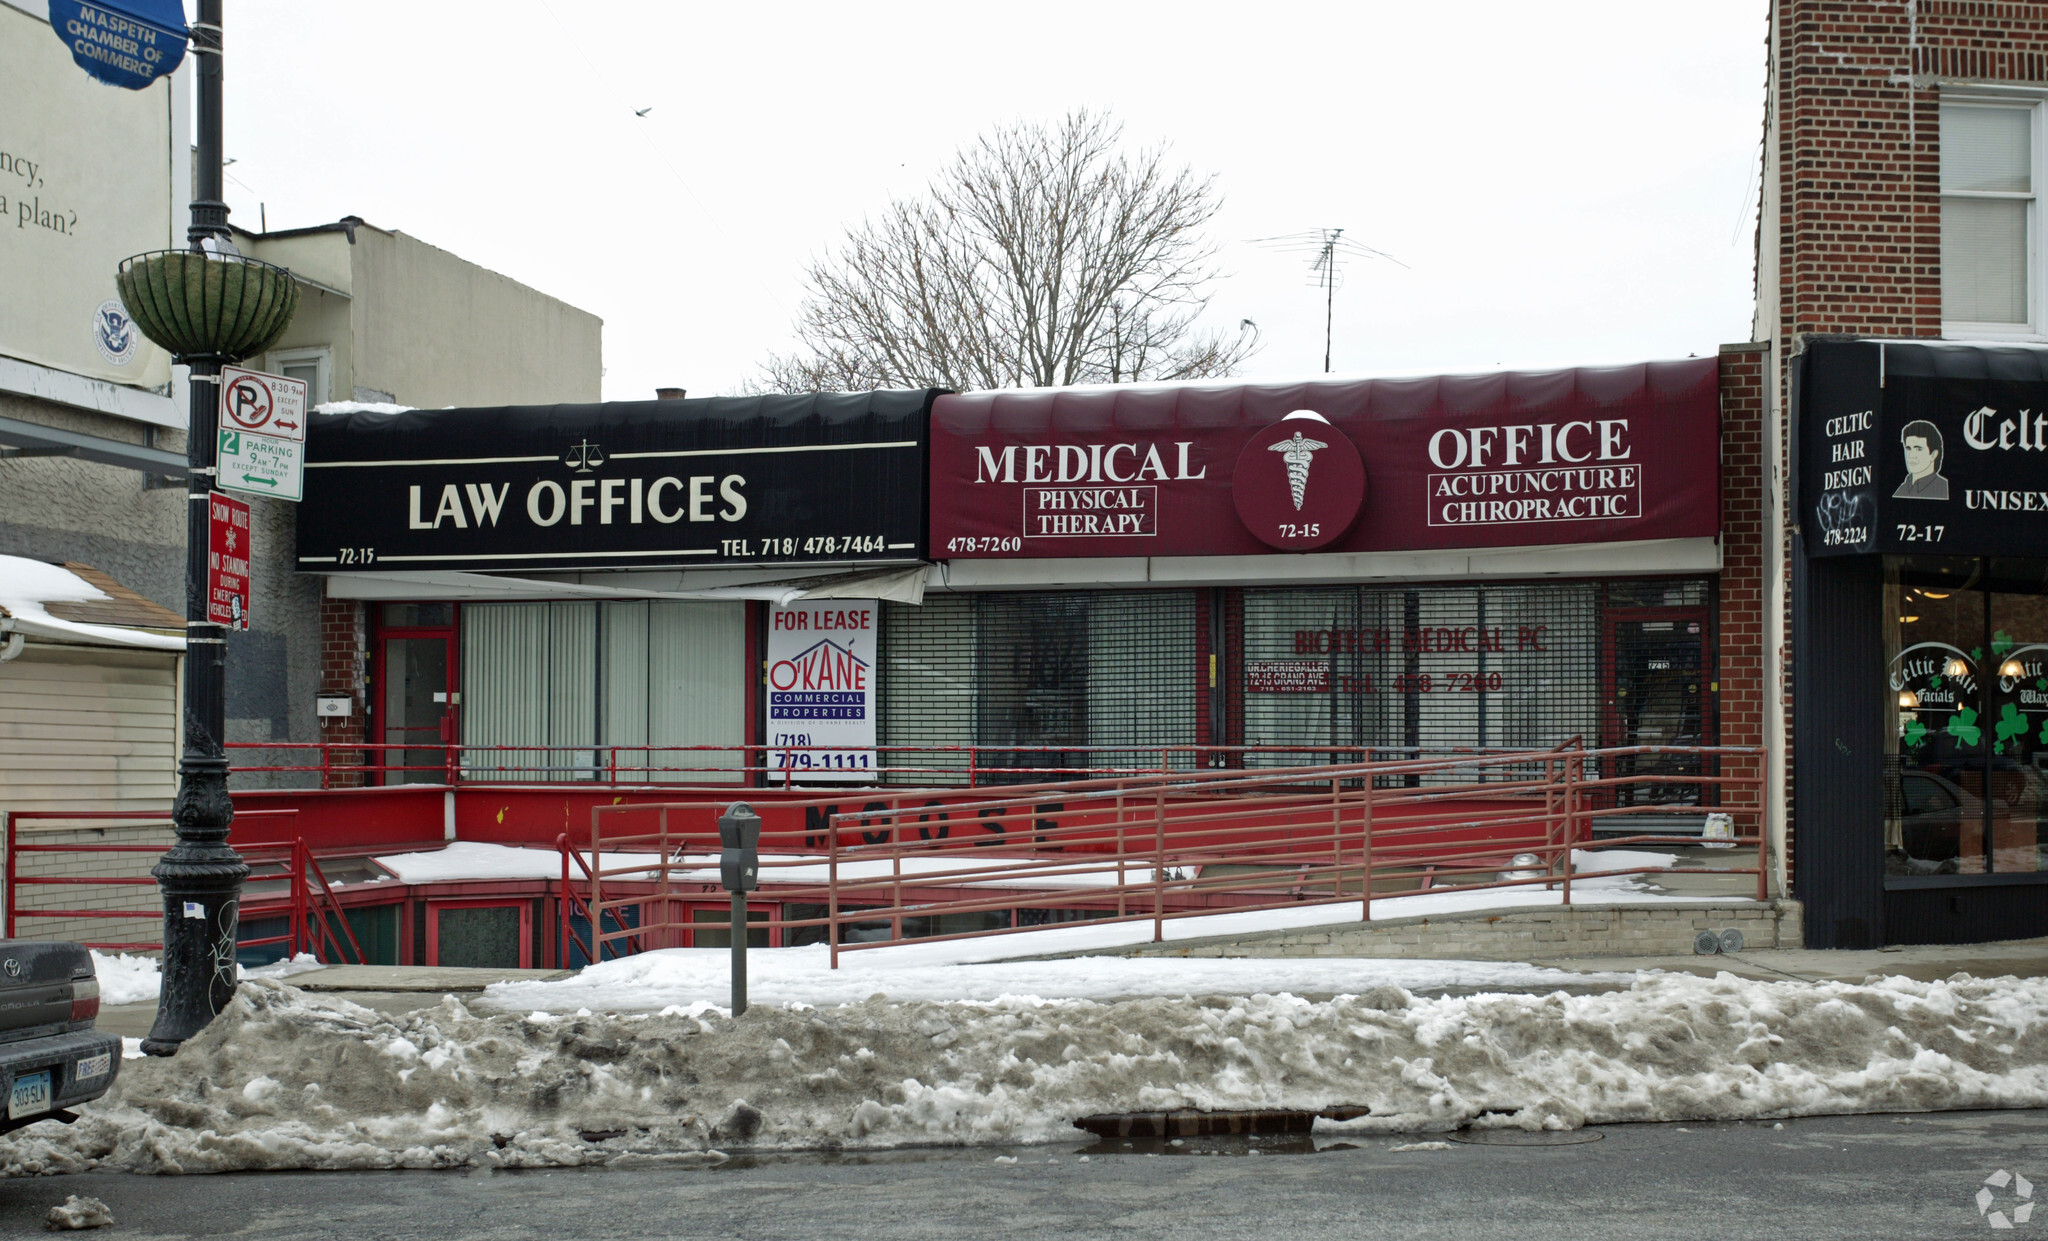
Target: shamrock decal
x=1934, y=682
x=2010, y=724
x=1915, y=734
x=1963, y=726
x=2001, y=642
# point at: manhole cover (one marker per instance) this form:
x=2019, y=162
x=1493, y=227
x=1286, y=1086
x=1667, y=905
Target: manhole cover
x=1526, y=1137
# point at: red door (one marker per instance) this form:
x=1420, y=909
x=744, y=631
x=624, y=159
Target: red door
x=415, y=700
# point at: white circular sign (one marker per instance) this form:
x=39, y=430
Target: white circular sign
x=115, y=333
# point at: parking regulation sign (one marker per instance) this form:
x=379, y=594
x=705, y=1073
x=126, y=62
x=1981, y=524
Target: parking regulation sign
x=262, y=433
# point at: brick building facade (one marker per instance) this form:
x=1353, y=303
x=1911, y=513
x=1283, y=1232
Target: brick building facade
x=1878, y=226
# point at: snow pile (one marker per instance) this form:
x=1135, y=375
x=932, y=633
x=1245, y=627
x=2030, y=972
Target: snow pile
x=138, y=980
x=648, y=981
x=287, y=1080
x=125, y=979
x=77, y=1214
x=303, y=963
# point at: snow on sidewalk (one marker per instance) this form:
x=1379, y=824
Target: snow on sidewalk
x=986, y=969
x=138, y=980
x=685, y=976
x=283, y=1079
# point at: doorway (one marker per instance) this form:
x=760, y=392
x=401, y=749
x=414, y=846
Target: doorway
x=1659, y=677
x=416, y=700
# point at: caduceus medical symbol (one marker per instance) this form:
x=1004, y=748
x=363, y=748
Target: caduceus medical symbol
x=1299, y=453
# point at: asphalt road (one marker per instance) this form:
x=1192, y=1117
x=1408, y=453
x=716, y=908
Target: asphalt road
x=1860, y=1177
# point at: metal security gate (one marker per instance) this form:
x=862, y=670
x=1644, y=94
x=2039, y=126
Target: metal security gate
x=1046, y=683
x=1426, y=668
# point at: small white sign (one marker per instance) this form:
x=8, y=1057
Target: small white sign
x=821, y=690
x=262, y=434
x=265, y=404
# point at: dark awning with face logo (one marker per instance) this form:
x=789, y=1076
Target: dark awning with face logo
x=1922, y=448
x=817, y=480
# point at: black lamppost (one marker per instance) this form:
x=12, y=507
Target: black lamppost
x=208, y=306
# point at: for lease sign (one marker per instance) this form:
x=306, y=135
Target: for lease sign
x=821, y=689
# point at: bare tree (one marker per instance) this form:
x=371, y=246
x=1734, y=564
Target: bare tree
x=1041, y=256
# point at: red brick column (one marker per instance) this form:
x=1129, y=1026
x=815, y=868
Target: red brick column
x=344, y=669
x=1745, y=370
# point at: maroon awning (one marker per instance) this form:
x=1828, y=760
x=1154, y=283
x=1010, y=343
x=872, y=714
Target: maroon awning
x=1587, y=455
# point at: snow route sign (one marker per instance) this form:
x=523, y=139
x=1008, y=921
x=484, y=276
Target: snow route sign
x=227, y=561
x=262, y=434
x=821, y=690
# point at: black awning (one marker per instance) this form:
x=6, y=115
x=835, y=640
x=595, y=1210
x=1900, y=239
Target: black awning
x=1923, y=448
x=814, y=479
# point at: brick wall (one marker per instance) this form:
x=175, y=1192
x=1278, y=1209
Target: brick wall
x=344, y=669
x=1859, y=227
x=143, y=901
x=1740, y=624
x=1849, y=241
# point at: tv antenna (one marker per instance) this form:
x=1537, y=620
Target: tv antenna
x=1331, y=250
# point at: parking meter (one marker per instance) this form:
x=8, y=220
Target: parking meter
x=739, y=838
x=739, y=869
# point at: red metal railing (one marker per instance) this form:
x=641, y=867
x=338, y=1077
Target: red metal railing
x=345, y=764
x=1160, y=846
x=314, y=920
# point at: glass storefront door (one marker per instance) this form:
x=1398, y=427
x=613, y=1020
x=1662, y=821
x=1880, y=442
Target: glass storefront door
x=417, y=697
x=1966, y=763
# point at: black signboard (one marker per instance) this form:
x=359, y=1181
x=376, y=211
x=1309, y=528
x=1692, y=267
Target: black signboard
x=818, y=479
x=1923, y=448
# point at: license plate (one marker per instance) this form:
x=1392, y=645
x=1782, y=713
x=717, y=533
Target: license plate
x=93, y=1066
x=30, y=1096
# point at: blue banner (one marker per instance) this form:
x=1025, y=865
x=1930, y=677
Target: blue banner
x=128, y=43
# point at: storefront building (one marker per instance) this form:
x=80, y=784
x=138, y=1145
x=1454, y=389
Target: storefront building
x=927, y=589
x=1282, y=574
x=1901, y=279
x=583, y=592
x=1920, y=631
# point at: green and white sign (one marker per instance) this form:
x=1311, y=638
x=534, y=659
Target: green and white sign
x=262, y=434
x=257, y=465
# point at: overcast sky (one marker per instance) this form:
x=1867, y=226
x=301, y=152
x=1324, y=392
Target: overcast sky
x=1567, y=183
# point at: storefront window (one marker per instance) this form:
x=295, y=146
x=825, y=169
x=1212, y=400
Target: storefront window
x=1965, y=789
x=1442, y=668
x=1066, y=681
x=608, y=690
